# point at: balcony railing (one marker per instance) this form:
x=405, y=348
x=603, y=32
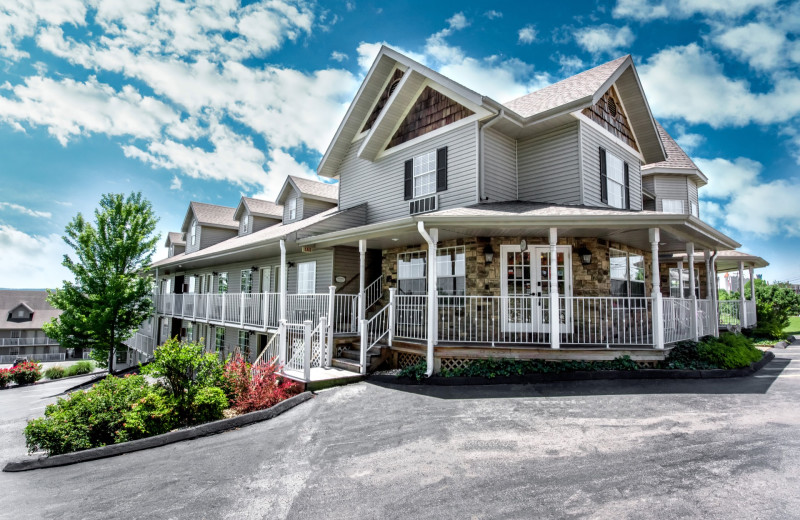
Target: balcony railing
x=27, y=342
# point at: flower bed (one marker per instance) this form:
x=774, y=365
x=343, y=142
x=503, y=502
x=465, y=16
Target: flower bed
x=192, y=388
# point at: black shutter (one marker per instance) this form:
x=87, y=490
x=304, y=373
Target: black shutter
x=441, y=169
x=627, y=188
x=603, y=177
x=409, y=179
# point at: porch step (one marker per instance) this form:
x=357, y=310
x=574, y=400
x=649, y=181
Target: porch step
x=346, y=364
x=350, y=358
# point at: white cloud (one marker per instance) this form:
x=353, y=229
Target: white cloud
x=70, y=108
x=24, y=210
x=20, y=18
x=646, y=10
x=763, y=46
x=688, y=141
x=367, y=52
x=492, y=14
x=725, y=177
x=32, y=261
x=279, y=166
x=177, y=184
x=705, y=94
x=526, y=35
x=457, y=22
x=338, y=56
x=604, y=38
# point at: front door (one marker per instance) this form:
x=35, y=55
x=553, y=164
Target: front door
x=524, y=287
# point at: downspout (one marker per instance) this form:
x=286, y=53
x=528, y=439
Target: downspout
x=481, y=166
x=431, y=241
x=715, y=293
x=155, y=329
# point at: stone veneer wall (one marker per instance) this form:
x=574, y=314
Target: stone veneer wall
x=484, y=280
x=663, y=270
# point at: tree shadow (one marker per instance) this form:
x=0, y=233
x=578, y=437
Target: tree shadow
x=758, y=383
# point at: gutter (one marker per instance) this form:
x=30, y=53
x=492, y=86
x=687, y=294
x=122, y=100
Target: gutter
x=431, y=295
x=481, y=157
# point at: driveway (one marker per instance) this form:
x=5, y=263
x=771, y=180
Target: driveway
x=604, y=449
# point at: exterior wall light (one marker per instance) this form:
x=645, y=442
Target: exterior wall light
x=585, y=255
x=488, y=253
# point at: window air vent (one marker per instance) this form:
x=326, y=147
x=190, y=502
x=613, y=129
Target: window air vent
x=423, y=205
x=612, y=107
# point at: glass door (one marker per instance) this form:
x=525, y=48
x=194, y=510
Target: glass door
x=541, y=257
x=517, y=305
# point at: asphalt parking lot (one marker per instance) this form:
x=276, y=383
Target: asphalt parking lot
x=725, y=448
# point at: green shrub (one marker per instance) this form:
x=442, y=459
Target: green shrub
x=5, y=377
x=183, y=369
x=417, y=371
x=54, y=372
x=81, y=367
x=729, y=351
x=491, y=368
x=153, y=414
x=87, y=419
x=686, y=355
x=208, y=404
x=26, y=373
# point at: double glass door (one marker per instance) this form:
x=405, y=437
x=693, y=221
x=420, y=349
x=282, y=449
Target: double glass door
x=525, y=287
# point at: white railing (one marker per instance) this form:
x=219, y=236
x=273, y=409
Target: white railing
x=677, y=320
x=302, y=307
x=373, y=293
x=411, y=317
x=373, y=331
x=8, y=359
x=215, y=307
x=305, y=347
x=492, y=319
x=706, y=318
x=345, y=314
x=26, y=342
x=269, y=356
x=601, y=320
x=188, y=305
x=233, y=308
x=750, y=312
x=141, y=343
x=200, y=306
x=729, y=313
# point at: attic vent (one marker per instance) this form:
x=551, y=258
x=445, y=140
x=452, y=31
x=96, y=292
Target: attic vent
x=612, y=107
x=422, y=205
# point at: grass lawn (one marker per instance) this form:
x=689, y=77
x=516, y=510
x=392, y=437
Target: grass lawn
x=794, y=325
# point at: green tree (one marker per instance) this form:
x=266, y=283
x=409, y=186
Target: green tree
x=774, y=304
x=110, y=296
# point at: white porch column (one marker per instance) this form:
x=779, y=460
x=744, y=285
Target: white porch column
x=555, y=322
x=680, y=280
x=284, y=274
x=392, y=313
x=742, y=312
x=692, y=291
x=707, y=259
x=362, y=273
x=331, y=325
x=431, y=238
x=752, y=284
x=658, y=304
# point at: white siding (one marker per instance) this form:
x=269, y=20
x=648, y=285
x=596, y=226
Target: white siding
x=299, y=207
x=311, y=207
x=673, y=187
x=549, y=168
x=592, y=139
x=380, y=183
x=693, y=194
x=210, y=235
x=500, y=166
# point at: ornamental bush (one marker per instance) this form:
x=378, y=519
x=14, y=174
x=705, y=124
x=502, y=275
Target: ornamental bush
x=81, y=367
x=729, y=351
x=236, y=377
x=492, y=368
x=26, y=373
x=267, y=388
x=55, y=372
x=150, y=415
x=208, y=404
x=5, y=377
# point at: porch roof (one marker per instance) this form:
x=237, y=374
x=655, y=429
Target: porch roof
x=533, y=219
x=726, y=260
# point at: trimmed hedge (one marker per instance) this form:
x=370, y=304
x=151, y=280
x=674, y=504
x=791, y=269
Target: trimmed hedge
x=729, y=351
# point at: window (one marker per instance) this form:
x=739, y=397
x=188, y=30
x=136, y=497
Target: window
x=411, y=273
x=194, y=231
x=676, y=282
x=293, y=208
x=626, y=273
x=615, y=181
x=672, y=206
x=15, y=334
x=425, y=174
x=247, y=281
x=222, y=283
x=219, y=342
x=695, y=210
x=171, y=250
x=306, y=277
x=450, y=274
x=245, y=224
x=244, y=342
x=189, y=332
x=192, y=284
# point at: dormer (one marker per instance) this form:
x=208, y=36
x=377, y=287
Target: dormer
x=303, y=198
x=256, y=214
x=675, y=182
x=175, y=243
x=21, y=313
x=208, y=224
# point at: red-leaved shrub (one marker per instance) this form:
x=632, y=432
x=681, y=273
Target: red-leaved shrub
x=236, y=377
x=5, y=377
x=267, y=388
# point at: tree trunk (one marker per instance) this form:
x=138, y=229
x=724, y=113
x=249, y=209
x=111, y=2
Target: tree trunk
x=111, y=355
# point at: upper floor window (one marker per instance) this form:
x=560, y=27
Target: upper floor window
x=194, y=231
x=306, y=277
x=293, y=208
x=222, y=283
x=672, y=206
x=247, y=281
x=626, y=273
x=425, y=174
x=171, y=250
x=695, y=210
x=246, y=224
x=614, y=181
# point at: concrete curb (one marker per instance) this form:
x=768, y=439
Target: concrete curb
x=579, y=376
x=158, y=440
x=37, y=383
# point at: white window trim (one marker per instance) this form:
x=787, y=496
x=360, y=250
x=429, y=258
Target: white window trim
x=293, y=208
x=627, y=279
x=423, y=255
x=194, y=231
x=611, y=182
x=673, y=203
x=306, y=270
x=243, y=334
x=220, y=277
x=431, y=187
x=219, y=339
x=695, y=209
x=247, y=274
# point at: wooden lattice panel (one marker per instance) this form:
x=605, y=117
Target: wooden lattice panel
x=454, y=363
x=404, y=359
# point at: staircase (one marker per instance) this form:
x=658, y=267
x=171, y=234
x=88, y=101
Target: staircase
x=351, y=353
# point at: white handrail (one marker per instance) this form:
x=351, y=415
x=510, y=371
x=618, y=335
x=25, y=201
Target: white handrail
x=372, y=331
x=268, y=356
x=373, y=292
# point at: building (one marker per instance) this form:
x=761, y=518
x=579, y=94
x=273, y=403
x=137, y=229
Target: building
x=553, y=220
x=21, y=335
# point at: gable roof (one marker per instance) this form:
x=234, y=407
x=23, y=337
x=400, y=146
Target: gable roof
x=310, y=189
x=210, y=215
x=677, y=160
x=175, y=238
x=259, y=208
x=35, y=301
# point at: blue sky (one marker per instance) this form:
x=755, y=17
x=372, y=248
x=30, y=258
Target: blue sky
x=211, y=100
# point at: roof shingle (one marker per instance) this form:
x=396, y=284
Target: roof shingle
x=676, y=157
x=213, y=215
x=317, y=189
